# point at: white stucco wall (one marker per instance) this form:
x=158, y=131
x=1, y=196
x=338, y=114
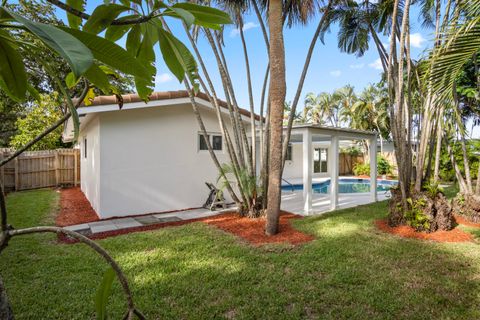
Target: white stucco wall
x=90, y=165
x=150, y=160
x=294, y=168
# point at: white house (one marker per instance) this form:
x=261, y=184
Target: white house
x=147, y=157
x=151, y=157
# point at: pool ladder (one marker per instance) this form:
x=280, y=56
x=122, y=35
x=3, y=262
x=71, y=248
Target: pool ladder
x=291, y=185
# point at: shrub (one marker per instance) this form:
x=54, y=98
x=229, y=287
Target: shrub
x=383, y=166
x=360, y=169
x=415, y=216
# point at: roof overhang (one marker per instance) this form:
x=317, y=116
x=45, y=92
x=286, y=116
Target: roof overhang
x=345, y=133
x=86, y=113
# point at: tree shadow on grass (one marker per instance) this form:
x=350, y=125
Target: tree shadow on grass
x=196, y=271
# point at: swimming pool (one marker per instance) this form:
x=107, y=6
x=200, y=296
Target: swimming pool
x=345, y=185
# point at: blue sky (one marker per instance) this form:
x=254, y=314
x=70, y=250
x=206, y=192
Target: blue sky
x=329, y=69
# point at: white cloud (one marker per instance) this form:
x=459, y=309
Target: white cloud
x=163, y=77
x=336, y=73
x=416, y=40
x=377, y=64
x=357, y=66
x=246, y=26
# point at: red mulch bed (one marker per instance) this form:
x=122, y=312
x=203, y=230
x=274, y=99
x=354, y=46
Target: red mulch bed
x=74, y=208
x=465, y=222
x=253, y=230
x=455, y=235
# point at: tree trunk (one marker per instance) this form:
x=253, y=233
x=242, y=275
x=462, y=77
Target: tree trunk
x=253, y=127
x=6, y=312
x=313, y=42
x=277, y=94
x=466, y=165
x=438, y=148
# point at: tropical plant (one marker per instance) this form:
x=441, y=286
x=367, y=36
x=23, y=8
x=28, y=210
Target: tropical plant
x=361, y=169
x=43, y=114
x=91, y=58
x=383, y=166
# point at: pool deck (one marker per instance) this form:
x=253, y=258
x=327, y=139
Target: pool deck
x=292, y=201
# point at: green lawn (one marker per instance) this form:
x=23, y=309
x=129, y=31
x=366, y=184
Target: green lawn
x=351, y=271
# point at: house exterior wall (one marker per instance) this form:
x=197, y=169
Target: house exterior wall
x=294, y=168
x=150, y=160
x=90, y=162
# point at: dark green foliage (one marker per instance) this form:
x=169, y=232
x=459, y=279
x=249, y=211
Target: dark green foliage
x=383, y=166
x=415, y=216
x=360, y=169
x=447, y=172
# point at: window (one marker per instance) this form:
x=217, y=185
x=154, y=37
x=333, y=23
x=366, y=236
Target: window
x=202, y=142
x=289, y=153
x=320, y=160
x=85, y=148
x=216, y=141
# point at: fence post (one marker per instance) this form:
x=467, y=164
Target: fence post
x=17, y=174
x=57, y=169
x=75, y=169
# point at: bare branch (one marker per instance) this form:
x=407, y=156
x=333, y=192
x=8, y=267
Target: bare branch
x=97, y=248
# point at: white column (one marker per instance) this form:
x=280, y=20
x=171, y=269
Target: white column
x=307, y=170
x=334, y=149
x=373, y=168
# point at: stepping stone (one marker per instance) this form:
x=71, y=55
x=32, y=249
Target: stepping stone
x=78, y=227
x=169, y=219
x=147, y=220
x=96, y=228
x=166, y=215
x=127, y=223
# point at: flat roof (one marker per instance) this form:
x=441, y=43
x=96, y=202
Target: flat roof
x=335, y=130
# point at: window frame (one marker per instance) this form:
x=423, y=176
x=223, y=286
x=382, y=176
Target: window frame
x=85, y=150
x=289, y=155
x=210, y=136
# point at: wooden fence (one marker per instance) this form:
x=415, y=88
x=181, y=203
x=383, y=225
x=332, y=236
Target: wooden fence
x=40, y=169
x=347, y=162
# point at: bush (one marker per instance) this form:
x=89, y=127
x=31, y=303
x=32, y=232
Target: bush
x=383, y=166
x=360, y=169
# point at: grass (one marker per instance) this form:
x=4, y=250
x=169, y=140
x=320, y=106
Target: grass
x=351, y=271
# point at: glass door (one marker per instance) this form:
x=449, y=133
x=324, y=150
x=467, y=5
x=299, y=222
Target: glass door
x=320, y=160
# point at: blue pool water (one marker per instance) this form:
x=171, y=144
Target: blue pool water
x=345, y=185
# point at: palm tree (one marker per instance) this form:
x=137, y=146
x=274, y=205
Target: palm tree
x=460, y=44
x=278, y=89
x=328, y=107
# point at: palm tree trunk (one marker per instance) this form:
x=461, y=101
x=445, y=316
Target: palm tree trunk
x=263, y=121
x=203, y=130
x=396, y=93
x=438, y=148
x=214, y=101
x=301, y=82
x=262, y=24
x=236, y=107
x=233, y=117
x=461, y=181
x=277, y=94
x=468, y=176
x=253, y=126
